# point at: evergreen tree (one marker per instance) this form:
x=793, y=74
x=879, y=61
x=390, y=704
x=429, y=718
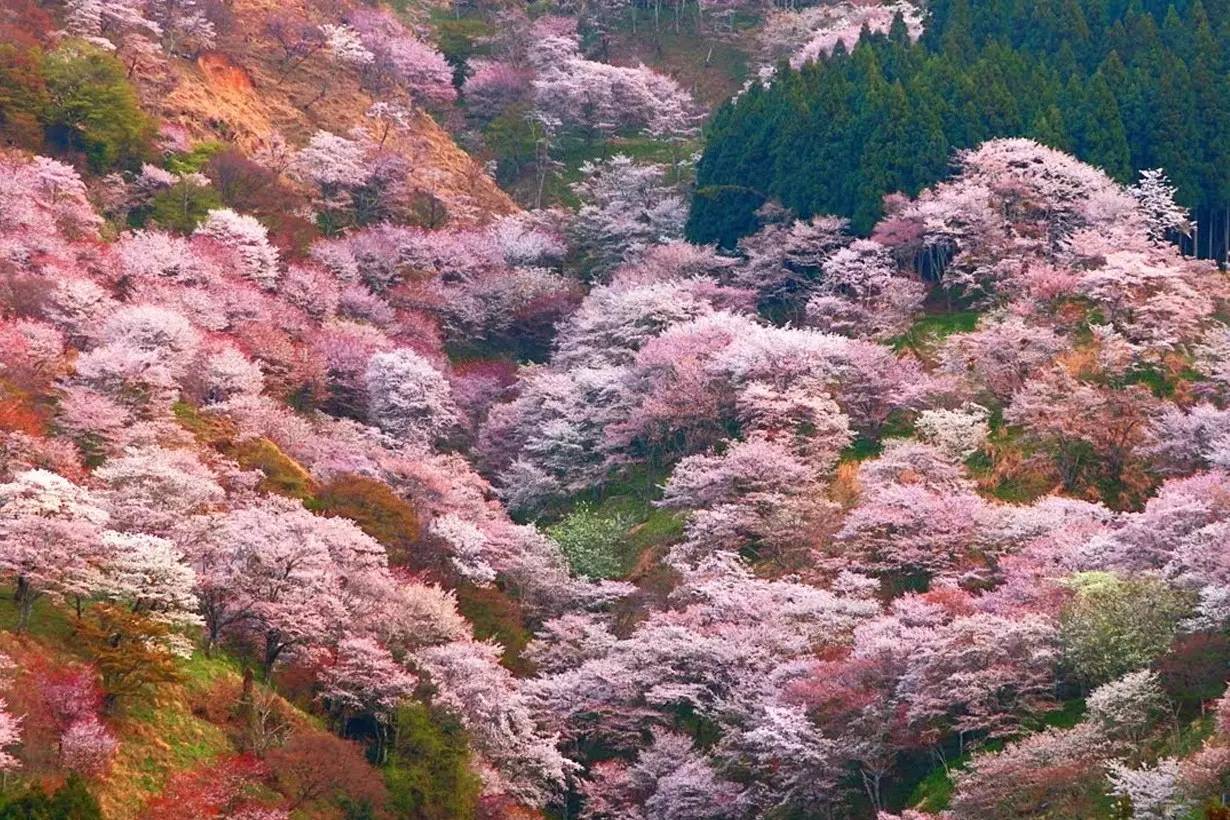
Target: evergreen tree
x=1123, y=84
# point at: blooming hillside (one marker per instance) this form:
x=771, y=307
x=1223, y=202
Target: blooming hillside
x=334, y=485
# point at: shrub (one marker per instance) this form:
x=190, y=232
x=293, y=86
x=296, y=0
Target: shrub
x=72, y=801
x=23, y=96
x=1114, y=626
x=493, y=614
x=591, y=541
x=428, y=774
x=93, y=108
x=318, y=767
x=130, y=652
x=183, y=206
x=1194, y=669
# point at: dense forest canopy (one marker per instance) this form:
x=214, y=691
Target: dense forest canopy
x=1125, y=86
x=374, y=444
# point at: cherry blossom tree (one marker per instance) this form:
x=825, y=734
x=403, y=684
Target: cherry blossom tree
x=280, y=575
x=364, y=679
x=669, y=779
x=1126, y=708
x=400, y=59
x=487, y=699
x=50, y=538
x=783, y=259
x=226, y=374
x=614, y=322
x=790, y=753
x=409, y=398
x=599, y=98
x=1001, y=355
x=549, y=440
x=957, y=433
x=1087, y=428
x=46, y=198
x=981, y=673
x=1148, y=293
x=151, y=575
x=569, y=640
x=104, y=22
x=625, y=208
x=493, y=86
x=1154, y=793
x=87, y=746
x=909, y=529
x=813, y=33
x=152, y=489
x=1157, y=199
x=249, y=239
x=33, y=352
x=345, y=45
x=10, y=735
x=185, y=26
x=1052, y=770
x=150, y=328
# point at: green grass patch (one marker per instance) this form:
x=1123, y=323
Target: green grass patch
x=283, y=475
x=934, y=792
x=897, y=425
x=1069, y=713
x=202, y=671
x=1188, y=737
x=49, y=623
x=862, y=448
x=628, y=499
x=929, y=331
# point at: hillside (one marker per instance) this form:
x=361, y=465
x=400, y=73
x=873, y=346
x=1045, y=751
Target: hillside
x=242, y=92
x=380, y=438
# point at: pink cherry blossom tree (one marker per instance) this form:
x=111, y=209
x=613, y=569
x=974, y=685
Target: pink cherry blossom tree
x=365, y=680
x=50, y=538
x=409, y=398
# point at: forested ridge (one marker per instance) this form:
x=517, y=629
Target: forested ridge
x=1124, y=86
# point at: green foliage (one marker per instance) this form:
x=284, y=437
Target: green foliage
x=511, y=137
x=1116, y=83
x=72, y=801
x=283, y=475
x=728, y=212
x=23, y=96
x=925, y=334
x=194, y=161
x=934, y=792
x=591, y=541
x=181, y=207
x=93, y=108
x=459, y=39
x=130, y=652
x=428, y=773
x=1117, y=625
x=493, y=614
x=1193, y=671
